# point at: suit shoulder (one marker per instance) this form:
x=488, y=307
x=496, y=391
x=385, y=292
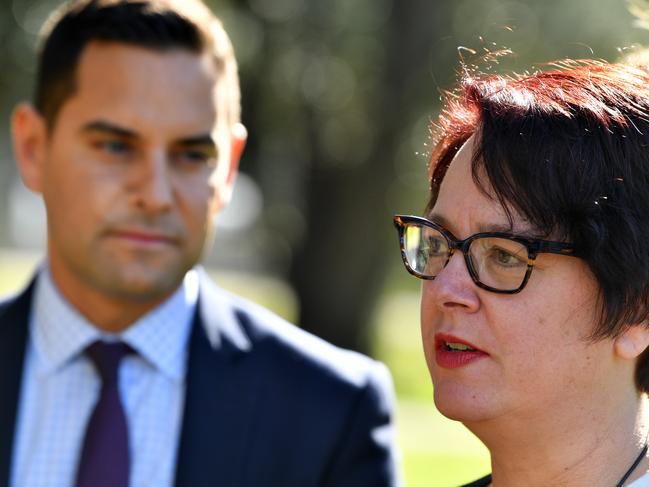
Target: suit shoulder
x=6, y=300
x=284, y=341
x=10, y=300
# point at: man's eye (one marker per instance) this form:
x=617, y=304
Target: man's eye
x=117, y=147
x=195, y=157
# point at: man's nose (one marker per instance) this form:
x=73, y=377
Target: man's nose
x=154, y=191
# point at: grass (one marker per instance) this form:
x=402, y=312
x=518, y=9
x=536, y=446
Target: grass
x=436, y=452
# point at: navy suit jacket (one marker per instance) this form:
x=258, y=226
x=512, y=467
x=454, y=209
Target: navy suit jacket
x=266, y=403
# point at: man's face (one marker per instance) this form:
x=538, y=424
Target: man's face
x=133, y=171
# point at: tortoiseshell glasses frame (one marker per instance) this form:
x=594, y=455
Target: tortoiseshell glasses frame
x=497, y=250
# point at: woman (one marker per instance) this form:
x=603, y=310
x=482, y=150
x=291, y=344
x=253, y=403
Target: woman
x=535, y=257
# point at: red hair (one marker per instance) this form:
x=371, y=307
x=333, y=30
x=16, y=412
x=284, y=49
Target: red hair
x=568, y=150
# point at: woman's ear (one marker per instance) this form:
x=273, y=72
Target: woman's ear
x=29, y=134
x=632, y=342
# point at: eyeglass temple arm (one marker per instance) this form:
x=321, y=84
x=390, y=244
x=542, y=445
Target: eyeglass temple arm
x=555, y=248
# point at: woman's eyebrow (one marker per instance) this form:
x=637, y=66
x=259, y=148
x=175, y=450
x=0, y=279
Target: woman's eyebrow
x=525, y=230
x=496, y=227
x=439, y=219
x=481, y=227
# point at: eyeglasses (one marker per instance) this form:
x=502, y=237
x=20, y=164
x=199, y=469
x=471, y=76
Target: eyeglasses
x=498, y=262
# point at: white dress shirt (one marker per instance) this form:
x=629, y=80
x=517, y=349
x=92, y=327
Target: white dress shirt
x=60, y=388
x=641, y=482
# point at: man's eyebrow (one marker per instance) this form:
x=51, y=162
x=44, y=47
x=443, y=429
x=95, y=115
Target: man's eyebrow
x=114, y=129
x=109, y=128
x=205, y=139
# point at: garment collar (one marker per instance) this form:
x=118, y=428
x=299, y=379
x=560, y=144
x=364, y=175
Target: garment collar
x=160, y=337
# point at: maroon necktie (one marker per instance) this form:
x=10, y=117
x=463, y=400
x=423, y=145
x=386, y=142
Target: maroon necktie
x=104, y=460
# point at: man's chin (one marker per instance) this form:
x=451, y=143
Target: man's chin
x=141, y=284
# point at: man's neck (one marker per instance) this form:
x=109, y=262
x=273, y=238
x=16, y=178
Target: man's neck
x=108, y=313
x=593, y=445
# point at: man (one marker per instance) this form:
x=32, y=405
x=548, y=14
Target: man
x=121, y=364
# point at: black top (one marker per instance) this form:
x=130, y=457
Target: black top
x=483, y=482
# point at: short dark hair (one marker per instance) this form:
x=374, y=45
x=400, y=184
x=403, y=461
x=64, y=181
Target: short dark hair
x=568, y=149
x=154, y=24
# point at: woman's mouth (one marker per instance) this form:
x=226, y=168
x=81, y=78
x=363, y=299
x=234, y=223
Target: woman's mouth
x=452, y=352
x=458, y=347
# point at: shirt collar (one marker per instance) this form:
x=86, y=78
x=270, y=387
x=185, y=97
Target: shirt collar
x=160, y=337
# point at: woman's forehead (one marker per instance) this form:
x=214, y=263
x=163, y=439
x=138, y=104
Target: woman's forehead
x=464, y=206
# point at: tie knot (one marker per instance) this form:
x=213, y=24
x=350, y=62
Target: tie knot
x=106, y=357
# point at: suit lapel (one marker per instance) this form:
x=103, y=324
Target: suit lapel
x=13, y=340
x=220, y=397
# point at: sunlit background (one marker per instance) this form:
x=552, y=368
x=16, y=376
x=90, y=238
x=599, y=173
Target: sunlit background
x=337, y=97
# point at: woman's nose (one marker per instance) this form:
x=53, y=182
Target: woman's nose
x=453, y=287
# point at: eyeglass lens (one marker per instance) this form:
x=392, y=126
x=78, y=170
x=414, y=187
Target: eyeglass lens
x=499, y=263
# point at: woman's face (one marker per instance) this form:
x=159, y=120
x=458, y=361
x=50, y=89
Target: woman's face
x=533, y=351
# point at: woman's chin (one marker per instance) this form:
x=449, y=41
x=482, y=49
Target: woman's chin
x=458, y=405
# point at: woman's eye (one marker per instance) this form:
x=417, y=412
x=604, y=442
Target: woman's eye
x=435, y=246
x=507, y=259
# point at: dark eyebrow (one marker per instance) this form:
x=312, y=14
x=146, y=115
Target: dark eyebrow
x=114, y=129
x=439, y=219
x=205, y=139
x=495, y=227
x=109, y=128
x=486, y=227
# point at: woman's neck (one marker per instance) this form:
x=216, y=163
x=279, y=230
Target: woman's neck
x=593, y=445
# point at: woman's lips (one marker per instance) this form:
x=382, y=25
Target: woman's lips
x=452, y=352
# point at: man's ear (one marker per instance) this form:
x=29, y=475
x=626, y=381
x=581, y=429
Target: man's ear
x=238, y=137
x=29, y=134
x=632, y=342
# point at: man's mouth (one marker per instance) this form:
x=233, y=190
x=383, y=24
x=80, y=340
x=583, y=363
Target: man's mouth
x=140, y=237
